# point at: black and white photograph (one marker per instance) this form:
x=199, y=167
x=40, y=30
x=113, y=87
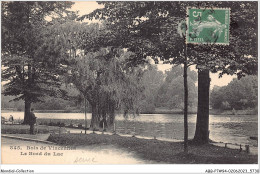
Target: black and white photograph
x=136, y=83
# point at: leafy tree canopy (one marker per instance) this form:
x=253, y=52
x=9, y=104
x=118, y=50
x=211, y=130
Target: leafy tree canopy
x=150, y=29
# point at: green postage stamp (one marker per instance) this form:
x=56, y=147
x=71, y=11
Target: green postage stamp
x=208, y=25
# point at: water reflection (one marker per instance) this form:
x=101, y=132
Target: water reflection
x=234, y=129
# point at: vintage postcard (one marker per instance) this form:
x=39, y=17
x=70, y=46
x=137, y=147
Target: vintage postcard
x=129, y=82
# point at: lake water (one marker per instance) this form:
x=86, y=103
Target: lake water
x=235, y=129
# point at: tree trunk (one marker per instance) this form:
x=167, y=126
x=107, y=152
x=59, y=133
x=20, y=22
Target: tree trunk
x=202, y=125
x=94, y=119
x=27, y=110
x=111, y=113
x=27, y=101
x=85, y=111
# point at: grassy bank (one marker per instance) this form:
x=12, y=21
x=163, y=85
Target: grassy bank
x=233, y=112
x=160, y=151
x=42, y=111
x=171, y=111
x=211, y=111
x=157, y=111
x=25, y=129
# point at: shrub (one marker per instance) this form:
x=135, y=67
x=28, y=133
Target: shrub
x=225, y=105
x=80, y=125
x=51, y=124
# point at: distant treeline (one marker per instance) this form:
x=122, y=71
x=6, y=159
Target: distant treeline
x=165, y=90
x=238, y=94
x=161, y=90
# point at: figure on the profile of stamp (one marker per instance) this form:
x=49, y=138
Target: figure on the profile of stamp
x=210, y=23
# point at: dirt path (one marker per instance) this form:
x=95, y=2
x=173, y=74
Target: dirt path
x=37, y=153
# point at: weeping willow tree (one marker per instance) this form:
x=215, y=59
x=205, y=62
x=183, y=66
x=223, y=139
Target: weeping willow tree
x=108, y=83
x=104, y=75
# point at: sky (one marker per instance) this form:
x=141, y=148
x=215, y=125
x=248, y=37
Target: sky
x=85, y=7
